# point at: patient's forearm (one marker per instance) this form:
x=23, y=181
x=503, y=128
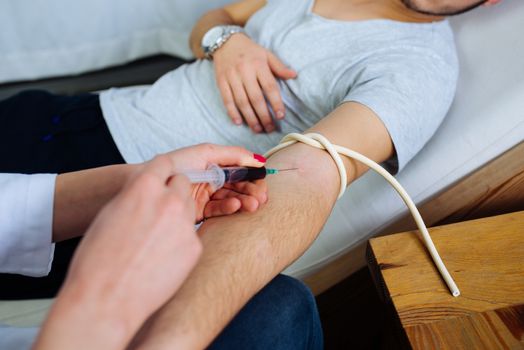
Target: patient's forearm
x=244, y=252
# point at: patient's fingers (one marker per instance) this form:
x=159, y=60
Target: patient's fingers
x=226, y=206
x=248, y=203
x=243, y=103
x=228, y=201
x=229, y=102
x=257, y=189
x=257, y=100
x=272, y=92
x=221, y=194
x=278, y=68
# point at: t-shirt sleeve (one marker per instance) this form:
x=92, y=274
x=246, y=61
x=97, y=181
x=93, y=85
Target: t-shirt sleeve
x=411, y=92
x=26, y=220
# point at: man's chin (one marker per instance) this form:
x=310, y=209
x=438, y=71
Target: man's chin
x=442, y=11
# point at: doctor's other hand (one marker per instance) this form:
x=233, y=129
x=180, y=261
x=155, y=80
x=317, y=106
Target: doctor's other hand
x=232, y=198
x=246, y=75
x=133, y=258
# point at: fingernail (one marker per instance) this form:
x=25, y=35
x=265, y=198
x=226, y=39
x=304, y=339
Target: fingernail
x=257, y=128
x=270, y=127
x=237, y=121
x=280, y=115
x=260, y=158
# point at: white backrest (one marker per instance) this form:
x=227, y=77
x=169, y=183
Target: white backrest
x=47, y=38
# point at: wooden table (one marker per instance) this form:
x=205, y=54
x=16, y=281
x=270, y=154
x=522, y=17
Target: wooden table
x=486, y=259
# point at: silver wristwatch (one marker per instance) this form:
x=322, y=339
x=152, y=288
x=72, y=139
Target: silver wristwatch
x=216, y=37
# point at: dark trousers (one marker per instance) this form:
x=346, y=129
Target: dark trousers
x=282, y=316
x=45, y=133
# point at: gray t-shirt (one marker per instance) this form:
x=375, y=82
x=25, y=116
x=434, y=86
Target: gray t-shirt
x=405, y=72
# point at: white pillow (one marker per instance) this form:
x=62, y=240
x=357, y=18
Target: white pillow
x=45, y=38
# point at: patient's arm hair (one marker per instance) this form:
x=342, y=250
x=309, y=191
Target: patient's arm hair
x=234, y=14
x=244, y=252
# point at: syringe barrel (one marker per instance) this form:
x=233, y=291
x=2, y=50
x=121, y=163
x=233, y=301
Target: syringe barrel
x=239, y=174
x=217, y=176
x=213, y=175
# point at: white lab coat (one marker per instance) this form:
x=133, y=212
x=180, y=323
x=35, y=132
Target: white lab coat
x=26, y=219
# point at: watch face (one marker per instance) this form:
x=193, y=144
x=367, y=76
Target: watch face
x=212, y=37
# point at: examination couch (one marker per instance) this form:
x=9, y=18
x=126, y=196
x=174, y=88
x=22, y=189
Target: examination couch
x=473, y=166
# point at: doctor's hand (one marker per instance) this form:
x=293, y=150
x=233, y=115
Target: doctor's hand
x=232, y=198
x=133, y=258
x=246, y=74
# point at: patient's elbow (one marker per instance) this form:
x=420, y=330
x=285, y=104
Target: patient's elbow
x=315, y=176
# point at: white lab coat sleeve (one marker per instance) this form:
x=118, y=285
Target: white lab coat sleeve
x=26, y=220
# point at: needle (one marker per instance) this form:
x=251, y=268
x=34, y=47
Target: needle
x=279, y=170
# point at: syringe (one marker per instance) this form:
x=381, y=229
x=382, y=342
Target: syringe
x=217, y=176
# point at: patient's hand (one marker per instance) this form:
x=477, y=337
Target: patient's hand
x=246, y=76
x=245, y=196
x=232, y=198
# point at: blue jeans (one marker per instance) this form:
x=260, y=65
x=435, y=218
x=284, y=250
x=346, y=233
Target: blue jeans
x=283, y=315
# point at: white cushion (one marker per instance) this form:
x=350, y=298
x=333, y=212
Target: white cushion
x=47, y=38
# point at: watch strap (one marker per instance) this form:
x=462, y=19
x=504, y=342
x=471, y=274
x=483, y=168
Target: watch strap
x=227, y=32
